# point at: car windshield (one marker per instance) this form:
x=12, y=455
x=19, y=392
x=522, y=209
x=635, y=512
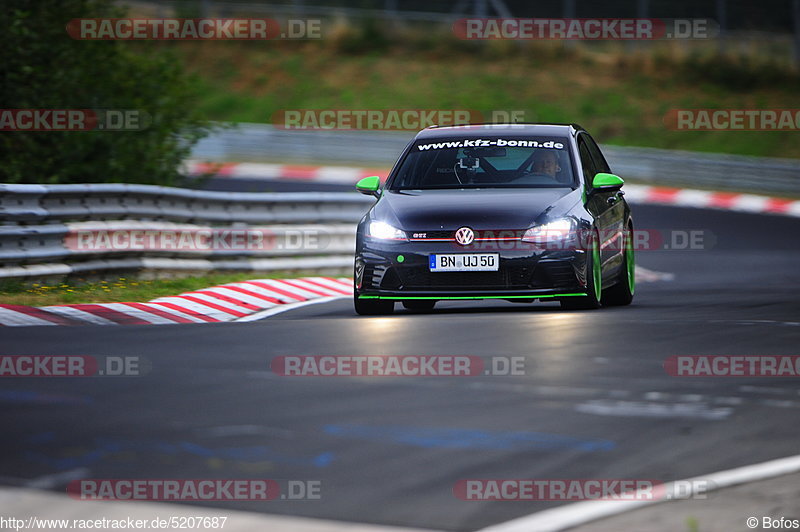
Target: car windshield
x=492, y=162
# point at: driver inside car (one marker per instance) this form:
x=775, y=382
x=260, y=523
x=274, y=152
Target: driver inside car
x=546, y=162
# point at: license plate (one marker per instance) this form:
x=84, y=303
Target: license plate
x=465, y=262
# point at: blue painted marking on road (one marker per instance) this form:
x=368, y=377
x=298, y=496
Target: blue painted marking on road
x=60, y=464
x=454, y=438
x=324, y=459
x=22, y=396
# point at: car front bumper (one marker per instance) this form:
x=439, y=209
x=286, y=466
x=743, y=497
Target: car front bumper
x=400, y=270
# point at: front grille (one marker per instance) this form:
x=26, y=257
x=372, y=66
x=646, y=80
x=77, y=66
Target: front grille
x=509, y=278
x=434, y=234
x=553, y=274
x=390, y=280
x=493, y=233
x=380, y=276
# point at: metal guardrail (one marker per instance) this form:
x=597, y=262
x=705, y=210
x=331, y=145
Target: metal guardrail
x=44, y=225
x=54, y=203
x=263, y=142
x=710, y=171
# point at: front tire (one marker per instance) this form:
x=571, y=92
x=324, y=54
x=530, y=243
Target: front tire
x=594, y=281
x=373, y=307
x=622, y=293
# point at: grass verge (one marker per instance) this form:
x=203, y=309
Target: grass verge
x=16, y=292
x=619, y=95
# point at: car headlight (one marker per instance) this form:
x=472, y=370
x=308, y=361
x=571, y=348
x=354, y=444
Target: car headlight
x=554, y=231
x=384, y=231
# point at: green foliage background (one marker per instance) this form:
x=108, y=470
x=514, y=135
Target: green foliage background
x=41, y=67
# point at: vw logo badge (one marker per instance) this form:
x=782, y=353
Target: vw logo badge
x=465, y=236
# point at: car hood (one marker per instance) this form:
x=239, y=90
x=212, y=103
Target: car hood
x=518, y=208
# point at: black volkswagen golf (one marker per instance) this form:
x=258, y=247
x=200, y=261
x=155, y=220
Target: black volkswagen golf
x=520, y=212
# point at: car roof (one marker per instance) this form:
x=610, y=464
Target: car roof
x=479, y=130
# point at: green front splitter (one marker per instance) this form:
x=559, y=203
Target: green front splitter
x=442, y=298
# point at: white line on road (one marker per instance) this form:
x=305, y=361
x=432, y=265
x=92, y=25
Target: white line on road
x=649, y=276
x=576, y=514
x=51, y=481
x=289, y=306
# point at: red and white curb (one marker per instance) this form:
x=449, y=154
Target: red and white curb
x=242, y=301
x=228, y=302
x=345, y=175
x=704, y=199
x=342, y=175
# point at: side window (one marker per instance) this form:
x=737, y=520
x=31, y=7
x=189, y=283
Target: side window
x=599, y=161
x=589, y=169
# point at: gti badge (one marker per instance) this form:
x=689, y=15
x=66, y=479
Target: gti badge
x=465, y=236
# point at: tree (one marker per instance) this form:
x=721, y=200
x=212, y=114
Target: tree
x=41, y=67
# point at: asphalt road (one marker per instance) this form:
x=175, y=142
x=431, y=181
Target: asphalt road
x=595, y=400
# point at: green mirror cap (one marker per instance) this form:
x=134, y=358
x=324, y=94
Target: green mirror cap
x=371, y=183
x=604, y=180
